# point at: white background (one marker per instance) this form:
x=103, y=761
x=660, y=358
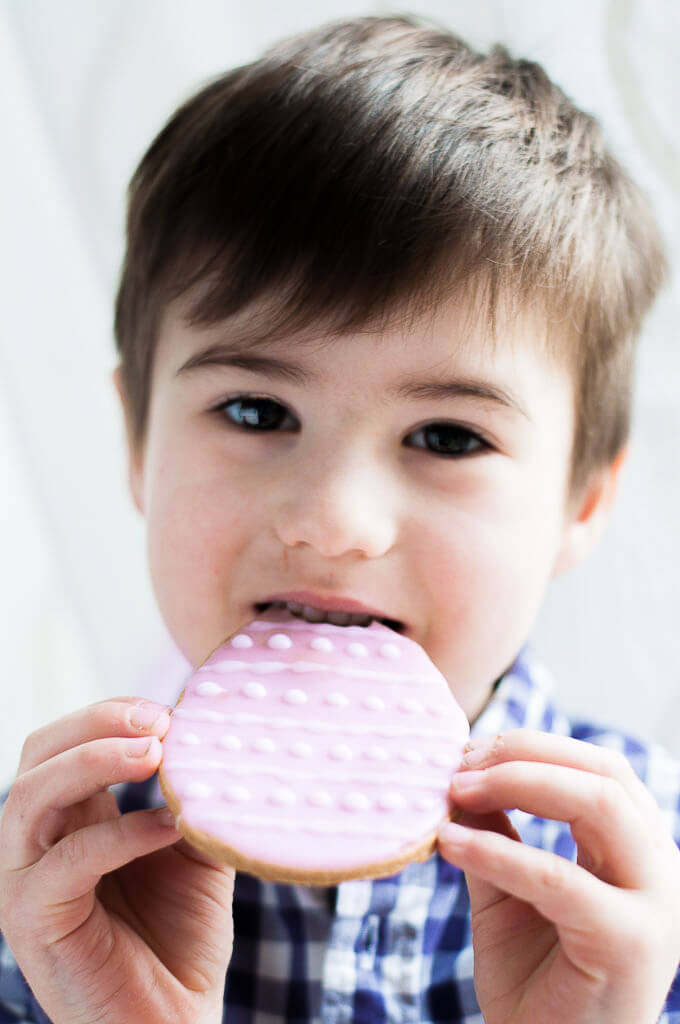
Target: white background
x=83, y=87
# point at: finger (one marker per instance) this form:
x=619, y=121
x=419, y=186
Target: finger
x=66, y=780
x=548, y=748
x=200, y=856
x=74, y=866
x=119, y=717
x=60, y=822
x=603, y=819
x=485, y=894
x=561, y=891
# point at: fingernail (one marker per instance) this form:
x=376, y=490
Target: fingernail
x=473, y=756
x=165, y=817
x=148, y=717
x=467, y=780
x=143, y=746
x=452, y=834
x=474, y=741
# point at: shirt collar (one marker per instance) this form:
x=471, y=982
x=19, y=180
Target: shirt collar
x=522, y=699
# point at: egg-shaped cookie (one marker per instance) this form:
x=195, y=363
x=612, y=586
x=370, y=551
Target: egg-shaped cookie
x=314, y=753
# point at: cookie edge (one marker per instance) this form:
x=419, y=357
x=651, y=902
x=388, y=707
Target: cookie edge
x=271, y=872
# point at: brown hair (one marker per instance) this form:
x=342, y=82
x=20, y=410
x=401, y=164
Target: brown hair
x=367, y=168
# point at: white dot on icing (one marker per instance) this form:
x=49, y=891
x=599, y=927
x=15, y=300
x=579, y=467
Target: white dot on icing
x=320, y=798
x=389, y=651
x=242, y=640
x=190, y=739
x=357, y=650
x=263, y=745
x=341, y=752
x=295, y=697
x=254, y=690
x=197, y=791
x=282, y=797
x=208, y=689
x=236, y=794
x=390, y=801
x=376, y=754
x=279, y=642
x=337, y=700
x=425, y=803
x=437, y=709
x=301, y=750
x=229, y=743
x=411, y=756
x=321, y=643
x=410, y=707
x=355, y=801
x=372, y=703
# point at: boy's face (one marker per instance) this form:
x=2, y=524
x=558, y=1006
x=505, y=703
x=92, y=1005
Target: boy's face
x=421, y=473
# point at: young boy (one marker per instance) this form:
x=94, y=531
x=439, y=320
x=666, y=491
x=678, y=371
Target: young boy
x=375, y=324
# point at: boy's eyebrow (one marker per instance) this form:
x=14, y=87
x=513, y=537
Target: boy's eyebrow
x=282, y=369
x=223, y=355
x=458, y=387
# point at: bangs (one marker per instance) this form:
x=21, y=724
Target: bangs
x=355, y=195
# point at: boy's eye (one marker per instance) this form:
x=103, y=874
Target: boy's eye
x=257, y=413
x=265, y=414
x=450, y=439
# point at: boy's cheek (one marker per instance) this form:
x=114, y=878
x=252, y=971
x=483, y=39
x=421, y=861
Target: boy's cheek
x=193, y=563
x=484, y=596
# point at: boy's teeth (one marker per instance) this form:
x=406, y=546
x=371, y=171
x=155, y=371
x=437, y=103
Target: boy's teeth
x=338, y=618
x=316, y=615
x=310, y=614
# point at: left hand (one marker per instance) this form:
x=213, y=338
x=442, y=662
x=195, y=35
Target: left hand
x=591, y=942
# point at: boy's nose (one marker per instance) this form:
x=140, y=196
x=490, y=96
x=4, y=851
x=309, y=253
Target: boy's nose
x=338, y=512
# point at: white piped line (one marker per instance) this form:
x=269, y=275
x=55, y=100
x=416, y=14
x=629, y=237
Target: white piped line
x=434, y=782
x=312, y=725
x=347, y=671
x=351, y=828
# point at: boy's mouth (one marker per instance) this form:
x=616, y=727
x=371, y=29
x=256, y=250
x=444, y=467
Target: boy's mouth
x=335, y=616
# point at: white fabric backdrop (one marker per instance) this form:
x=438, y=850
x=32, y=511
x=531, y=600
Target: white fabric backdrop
x=83, y=86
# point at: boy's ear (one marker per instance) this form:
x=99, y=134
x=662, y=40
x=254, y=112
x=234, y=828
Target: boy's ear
x=588, y=514
x=134, y=452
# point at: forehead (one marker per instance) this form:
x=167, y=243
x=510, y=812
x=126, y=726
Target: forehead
x=465, y=325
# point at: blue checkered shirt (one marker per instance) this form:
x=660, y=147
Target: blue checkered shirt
x=397, y=949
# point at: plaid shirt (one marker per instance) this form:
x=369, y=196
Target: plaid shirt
x=396, y=949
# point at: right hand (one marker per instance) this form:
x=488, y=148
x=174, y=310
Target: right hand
x=110, y=917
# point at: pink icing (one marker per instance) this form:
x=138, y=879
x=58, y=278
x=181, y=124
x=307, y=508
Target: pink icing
x=315, y=755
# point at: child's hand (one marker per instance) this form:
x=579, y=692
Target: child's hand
x=151, y=939
x=596, y=942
